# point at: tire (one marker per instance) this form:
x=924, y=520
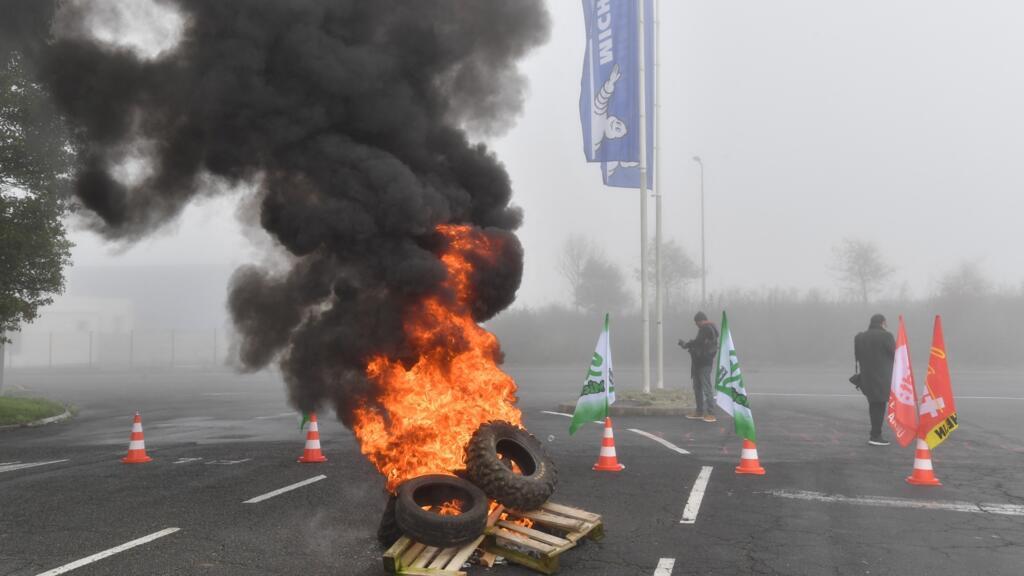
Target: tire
x=434, y=529
x=388, y=532
x=487, y=464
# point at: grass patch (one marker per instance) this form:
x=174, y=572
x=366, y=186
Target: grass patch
x=25, y=410
x=665, y=397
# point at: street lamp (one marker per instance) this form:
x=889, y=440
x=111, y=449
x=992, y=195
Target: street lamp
x=703, y=253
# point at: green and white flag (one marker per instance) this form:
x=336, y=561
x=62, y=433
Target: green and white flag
x=730, y=393
x=599, y=389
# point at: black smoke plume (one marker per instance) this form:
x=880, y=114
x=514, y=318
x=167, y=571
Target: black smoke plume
x=349, y=115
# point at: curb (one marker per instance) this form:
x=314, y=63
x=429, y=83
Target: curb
x=616, y=410
x=40, y=422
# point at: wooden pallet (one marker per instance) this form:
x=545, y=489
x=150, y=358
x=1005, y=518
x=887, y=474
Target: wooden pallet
x=409, y=558
x=556, y=528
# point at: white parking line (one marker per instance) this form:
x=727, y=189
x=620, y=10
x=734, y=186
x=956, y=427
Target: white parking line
x=661, y=441
x=601, y=422
x=952, y=506
x=279, y=491
x=665, y=566
x=804, y=395
x=21, y=466
x=798, y=394
x=110, y=552
x=989, y=398
x=696, y=496
x=281, y=415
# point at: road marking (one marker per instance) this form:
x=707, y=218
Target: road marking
x=281, y=415
x=952, y=506
x=803, y=395
x=601, y=422
x=228, y=462
x=279, y=491
x=21, y=466
x=798, y=394
x=696, y=496
x=665, y=566
x=661, y=441
x=186, y=460
x=110, y=552
x=989, y=398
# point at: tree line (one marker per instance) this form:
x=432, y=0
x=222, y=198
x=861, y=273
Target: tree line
x=772, y=327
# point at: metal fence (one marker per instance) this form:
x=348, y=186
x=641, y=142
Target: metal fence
x=157, y=348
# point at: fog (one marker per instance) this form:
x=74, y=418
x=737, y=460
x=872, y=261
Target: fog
x=898, y=124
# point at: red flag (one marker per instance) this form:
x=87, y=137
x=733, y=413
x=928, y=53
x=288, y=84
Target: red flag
x=938, y=411
x=902, y=411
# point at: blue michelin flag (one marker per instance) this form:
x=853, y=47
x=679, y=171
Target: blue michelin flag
x=609, y=94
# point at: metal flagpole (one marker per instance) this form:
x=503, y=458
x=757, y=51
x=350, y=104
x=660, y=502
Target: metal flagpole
x=644, y=308
x=703, y=251
x=659, y=291
x=3, y=359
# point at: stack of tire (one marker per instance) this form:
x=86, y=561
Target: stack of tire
x=489, y=475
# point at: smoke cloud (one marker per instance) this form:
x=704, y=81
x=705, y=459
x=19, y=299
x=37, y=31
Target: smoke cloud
x=351, y=116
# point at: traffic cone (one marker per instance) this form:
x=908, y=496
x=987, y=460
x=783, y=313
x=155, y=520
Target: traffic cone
x=607, y=461
x=923, y=474
x=137, y=444
x=749, y=463
x=312, y=453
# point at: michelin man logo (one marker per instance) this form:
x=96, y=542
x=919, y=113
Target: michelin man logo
x=604, y=126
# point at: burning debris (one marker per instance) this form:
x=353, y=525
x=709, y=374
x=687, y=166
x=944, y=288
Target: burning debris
x=505, y=466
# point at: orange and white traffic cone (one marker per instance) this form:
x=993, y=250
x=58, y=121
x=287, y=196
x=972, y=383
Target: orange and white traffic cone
x=312, y=453
x=137, y=444
x=749, y=464
x=607, y=461
x=923, y=474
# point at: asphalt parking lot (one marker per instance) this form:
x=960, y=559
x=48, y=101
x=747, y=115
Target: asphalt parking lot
x=829, y=503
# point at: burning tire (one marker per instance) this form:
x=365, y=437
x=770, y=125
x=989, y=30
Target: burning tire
x=451, y=526
x=490, y=455
x=388, y=532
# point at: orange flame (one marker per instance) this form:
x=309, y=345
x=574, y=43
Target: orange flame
x=428, y=412
x=449, y=508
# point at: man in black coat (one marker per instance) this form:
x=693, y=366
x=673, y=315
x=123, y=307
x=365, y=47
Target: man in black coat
x=703, y=350
x=874, y=350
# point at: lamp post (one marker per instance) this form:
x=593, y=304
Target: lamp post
x=703, y=252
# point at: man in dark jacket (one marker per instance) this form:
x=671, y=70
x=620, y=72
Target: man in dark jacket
x=874, y=350
x=702, y=351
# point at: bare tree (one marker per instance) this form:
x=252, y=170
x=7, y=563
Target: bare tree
x=603, y=287
x=677, y=271
x=965, y=281
x=576, y=251
x=860, y=268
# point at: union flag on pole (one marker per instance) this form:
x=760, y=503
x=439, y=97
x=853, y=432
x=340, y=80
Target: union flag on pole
x=902, y=410
x=938, y=411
